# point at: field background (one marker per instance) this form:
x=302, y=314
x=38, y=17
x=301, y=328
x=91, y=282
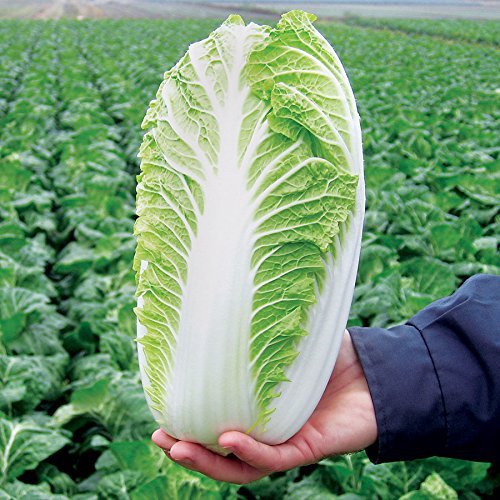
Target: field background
x=73, y=421
x=167, y=9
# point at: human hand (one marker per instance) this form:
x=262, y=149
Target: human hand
x=344, y=421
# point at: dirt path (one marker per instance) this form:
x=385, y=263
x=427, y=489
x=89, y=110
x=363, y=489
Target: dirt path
x=53, y=10
x=75, y=9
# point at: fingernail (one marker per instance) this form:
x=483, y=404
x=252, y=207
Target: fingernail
x=185, y=461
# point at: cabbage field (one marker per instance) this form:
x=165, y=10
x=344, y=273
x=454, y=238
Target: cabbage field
x=73, y=419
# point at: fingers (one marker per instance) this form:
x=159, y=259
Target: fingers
x=163, y=440
x=253, y=459
x=195, y=457
x=259, y=455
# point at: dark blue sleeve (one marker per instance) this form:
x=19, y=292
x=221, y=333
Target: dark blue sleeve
x=435, y=381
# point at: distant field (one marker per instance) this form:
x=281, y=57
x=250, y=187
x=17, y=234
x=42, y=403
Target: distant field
x=157, y=9
x=487, y=32
x=430, y=10
x=102, y=9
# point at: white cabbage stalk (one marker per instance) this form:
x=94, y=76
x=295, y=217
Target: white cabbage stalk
x=250, y=208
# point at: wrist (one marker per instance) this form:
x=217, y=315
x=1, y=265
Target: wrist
x=358, y=374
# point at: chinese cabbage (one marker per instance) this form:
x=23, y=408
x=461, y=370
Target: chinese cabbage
x=250, y=205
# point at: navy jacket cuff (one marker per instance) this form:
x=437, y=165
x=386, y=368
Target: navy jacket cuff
x=406, y=393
